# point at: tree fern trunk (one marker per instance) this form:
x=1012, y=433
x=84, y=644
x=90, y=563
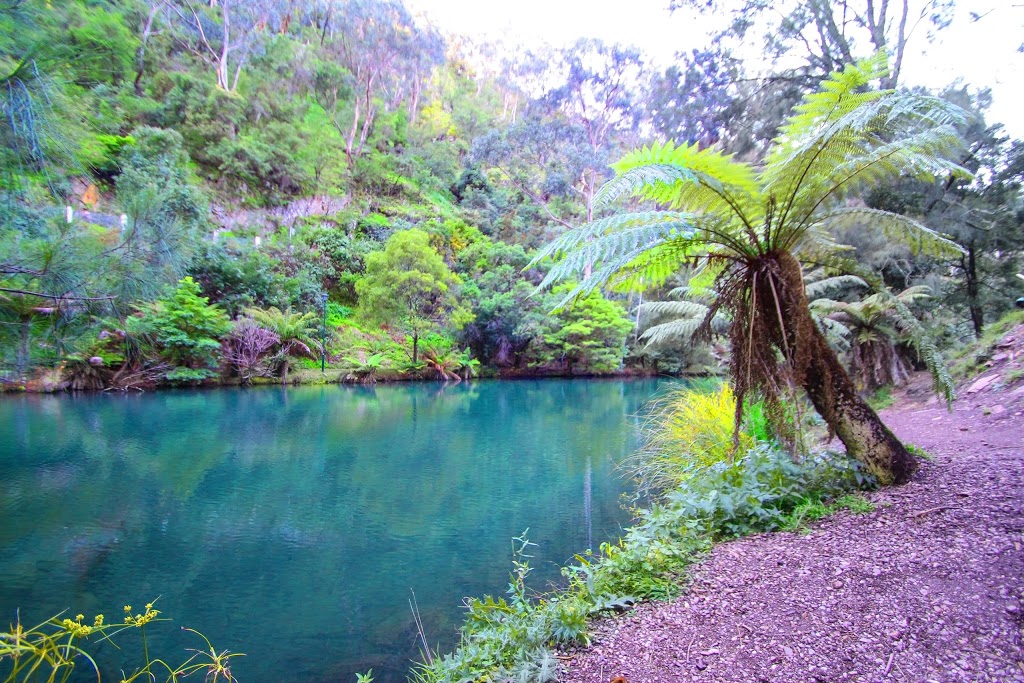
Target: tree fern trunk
x=858, y=426
x=833, y=393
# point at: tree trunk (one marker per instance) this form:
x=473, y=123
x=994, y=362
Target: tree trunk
x=284, y=371
x=415, y=347
x=831, y=391
x=858, y=426
x=970, y=268
x=23, y=356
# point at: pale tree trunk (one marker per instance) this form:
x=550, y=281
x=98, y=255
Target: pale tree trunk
x=225, y=48
x=350, y=140
x=140, y=54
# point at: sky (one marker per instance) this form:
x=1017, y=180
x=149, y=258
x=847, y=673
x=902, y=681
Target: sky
x=983, y=53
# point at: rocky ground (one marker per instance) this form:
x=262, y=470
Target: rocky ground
x=927, y=588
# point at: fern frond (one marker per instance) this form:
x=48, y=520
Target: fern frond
x=840, y=93
x=843, y=138
x=615, y=234
x=915, y=293
x=686, y=178
x=895, y=227
x=670, y=331
x=679, y=309
x=836, y=334
x=848, y=167
x=918, y=338
x=819, y=288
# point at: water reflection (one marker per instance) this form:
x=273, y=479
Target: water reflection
x=293, y=523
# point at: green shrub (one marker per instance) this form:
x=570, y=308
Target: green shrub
x=688, y=427
x=185, y=331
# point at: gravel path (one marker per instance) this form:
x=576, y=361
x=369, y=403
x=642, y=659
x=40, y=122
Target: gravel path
x=928, y=587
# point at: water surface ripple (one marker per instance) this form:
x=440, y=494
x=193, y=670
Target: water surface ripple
x=292, y=524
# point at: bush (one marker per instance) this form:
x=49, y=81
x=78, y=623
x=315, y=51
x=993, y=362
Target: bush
x=185, y=330
x=687, y=427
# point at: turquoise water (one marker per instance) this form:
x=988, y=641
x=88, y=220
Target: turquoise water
x=293, y=524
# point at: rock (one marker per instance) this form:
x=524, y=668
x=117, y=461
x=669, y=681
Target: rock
x=981, y=383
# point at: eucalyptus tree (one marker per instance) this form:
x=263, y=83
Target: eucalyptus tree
x=825, y=34
x=560, y=152
x=386, y=55
x=753, y=225
x=409, y=287
x=220, y=34
x=695, y=100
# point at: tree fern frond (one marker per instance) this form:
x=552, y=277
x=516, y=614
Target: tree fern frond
x=842, y=138
x=670, y=331
x=679, y=309
x=688, y=178
x=895, y=227
x=836, y=334
x=819, y=288
x=852, y=312
x=616, y=234
x=654, y=266
x=702, y=294
x=841, y=92
x=918, y=337
x=915, y=293
x=849, y=168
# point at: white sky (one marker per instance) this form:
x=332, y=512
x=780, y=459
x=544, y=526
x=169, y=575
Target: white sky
x=982, y=53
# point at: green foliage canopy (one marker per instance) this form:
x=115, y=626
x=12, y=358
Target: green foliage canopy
x=408, y=286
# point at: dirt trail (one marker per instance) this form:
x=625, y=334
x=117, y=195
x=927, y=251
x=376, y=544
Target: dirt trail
x=928, y=587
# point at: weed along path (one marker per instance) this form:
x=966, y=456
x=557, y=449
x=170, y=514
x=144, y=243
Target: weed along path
x=927, y=587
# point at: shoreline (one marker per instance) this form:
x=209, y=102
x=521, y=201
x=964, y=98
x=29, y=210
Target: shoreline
x=309, y=377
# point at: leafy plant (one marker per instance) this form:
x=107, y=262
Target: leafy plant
x=882, y=398
x=185, y=331
x=875, y=326
x=447, y=362
x=508, y=638
x=919, y=452
x=813, y=509
x=750, y=225
x=686, y=429
x=55, y=647
x=295, y=332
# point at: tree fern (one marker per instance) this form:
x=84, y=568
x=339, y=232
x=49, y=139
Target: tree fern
x=749, y=227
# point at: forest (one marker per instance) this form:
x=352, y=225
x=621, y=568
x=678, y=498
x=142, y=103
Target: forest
x=201, y=192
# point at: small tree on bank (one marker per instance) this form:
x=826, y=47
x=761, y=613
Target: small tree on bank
x=408, y=287
x=752, y=226
x=185, y=331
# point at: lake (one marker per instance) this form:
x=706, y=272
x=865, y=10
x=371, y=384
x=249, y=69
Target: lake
x=295, y=524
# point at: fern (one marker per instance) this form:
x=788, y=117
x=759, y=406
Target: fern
x=747, y=227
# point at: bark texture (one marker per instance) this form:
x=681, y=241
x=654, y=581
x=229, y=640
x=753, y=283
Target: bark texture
x=817, y=369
